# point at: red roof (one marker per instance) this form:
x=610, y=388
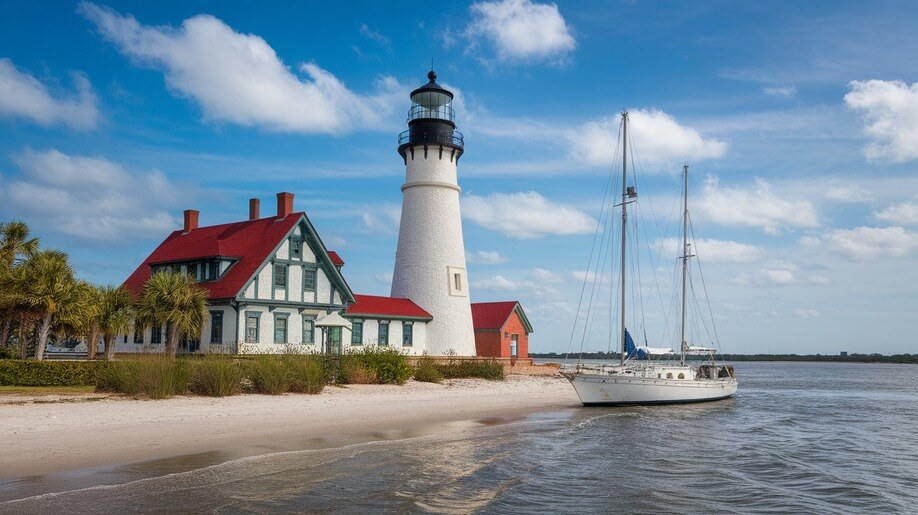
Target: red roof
x=492, y=315
x=251, y=242
x=335, y=258
x=373, y=305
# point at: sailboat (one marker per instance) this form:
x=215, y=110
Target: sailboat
x=638, y=378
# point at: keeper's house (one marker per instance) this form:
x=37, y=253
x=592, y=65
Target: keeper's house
x=273, y=286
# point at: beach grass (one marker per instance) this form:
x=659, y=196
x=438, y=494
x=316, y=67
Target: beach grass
x=37, y=391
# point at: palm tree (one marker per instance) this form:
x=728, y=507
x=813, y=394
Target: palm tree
x=115, y=314
x=176, y=300
x=44, y=285
x=15, y=244
x=79, y=311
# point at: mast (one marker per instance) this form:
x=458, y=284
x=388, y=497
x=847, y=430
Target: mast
x=685, y=255
x=624, y=218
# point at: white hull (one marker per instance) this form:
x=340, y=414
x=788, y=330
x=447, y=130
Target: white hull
x=626, y=385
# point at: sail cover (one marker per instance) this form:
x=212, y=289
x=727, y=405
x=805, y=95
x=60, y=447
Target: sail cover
x=632, y=351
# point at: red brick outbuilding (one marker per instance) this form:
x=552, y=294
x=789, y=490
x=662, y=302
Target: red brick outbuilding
x=501, y=329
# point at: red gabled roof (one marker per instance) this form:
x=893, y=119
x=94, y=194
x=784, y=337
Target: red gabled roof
x=492, y=315
x=251, y=242
x=335, y=258
x=371, y=305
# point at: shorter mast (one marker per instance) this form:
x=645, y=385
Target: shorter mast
x=624, y=222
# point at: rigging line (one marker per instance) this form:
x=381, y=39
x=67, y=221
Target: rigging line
x=606, y=202
x=704, y=285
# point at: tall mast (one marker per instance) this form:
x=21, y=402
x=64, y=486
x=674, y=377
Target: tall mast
x=685, y=255
x=624, y=219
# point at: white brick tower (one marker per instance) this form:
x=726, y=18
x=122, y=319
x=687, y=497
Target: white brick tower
x=430, y=261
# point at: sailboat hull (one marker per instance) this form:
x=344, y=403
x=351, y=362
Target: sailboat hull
x=603, y=390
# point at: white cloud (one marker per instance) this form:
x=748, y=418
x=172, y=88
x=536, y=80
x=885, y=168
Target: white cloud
x=521, y=30
x=776, y=273
x=385, y=219
x=865, y=243
x=658, y=139
x=525, y=215
x=780, y=91
x=374, y=35
x=91, y=199
x=501, y=283
x=806, y=313
x=383, y=278
x=23, y=96
x=850, y=194
x=583, y=275
x=484, y=257
x=239, y=78
x=890, y=110
x=545, y=276
x=904, y=213
x=717, y=251
x=820, y=279
x=755, y=207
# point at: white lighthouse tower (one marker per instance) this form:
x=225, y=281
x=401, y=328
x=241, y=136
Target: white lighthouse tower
x=430, y=261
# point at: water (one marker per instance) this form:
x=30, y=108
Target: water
x=808, y=437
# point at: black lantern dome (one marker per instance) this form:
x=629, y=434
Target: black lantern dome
x=431, y=119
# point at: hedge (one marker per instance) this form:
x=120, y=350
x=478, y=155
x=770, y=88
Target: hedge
x=22, y=372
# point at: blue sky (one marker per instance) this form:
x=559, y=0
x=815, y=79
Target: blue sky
x=799, y=121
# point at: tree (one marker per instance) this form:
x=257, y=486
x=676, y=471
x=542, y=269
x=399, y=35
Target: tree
x=79, y=314
x=115, y=314
x=176, y=300
x=44, y=285
x=15, y=245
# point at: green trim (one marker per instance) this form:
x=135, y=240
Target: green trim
x=519, y=309
x=291, y=304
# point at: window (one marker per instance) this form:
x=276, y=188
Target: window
x=383, y=339
x=280, y=276
x=295, y=246
x=138, y=334
x=251, y=328
x=193, y=270
x=514, y=345
x=309, y=331
x=357, y=332
x=216, y=327
x=407, y=334
x=457, y=282
x=156, y=333
x=280, y=329
x=213, y=270
x=309, y=280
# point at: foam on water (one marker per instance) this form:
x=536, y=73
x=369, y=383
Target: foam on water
x=798, y=438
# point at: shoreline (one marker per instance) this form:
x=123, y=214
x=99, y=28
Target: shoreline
x=41, y=441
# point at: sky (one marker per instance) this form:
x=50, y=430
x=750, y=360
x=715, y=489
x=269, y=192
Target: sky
x=799, y=121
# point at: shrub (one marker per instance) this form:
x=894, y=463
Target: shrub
x=426, y=371
x=353, y=372
x=22, y=372
x=307, y=373
x=460, y=369
x=269, y=374
x=389, y=365
x=157, y=377
x=215, y=376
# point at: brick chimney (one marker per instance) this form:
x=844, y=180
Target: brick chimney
x=191, y=219
x=284, y=204
x=254, y=209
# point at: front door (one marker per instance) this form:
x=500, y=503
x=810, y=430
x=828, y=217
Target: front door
x=514, y=345
x=334, y=340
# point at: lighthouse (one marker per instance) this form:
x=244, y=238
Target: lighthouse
x=430, y=260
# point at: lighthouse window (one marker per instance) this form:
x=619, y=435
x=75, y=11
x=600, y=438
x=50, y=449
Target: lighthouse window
x=457, y=280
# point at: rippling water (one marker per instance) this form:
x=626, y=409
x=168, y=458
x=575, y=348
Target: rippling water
x=807, y=437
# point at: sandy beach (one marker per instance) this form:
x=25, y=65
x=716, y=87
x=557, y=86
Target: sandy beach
x=40, y=437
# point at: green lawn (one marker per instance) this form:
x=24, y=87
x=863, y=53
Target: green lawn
x=45, y=390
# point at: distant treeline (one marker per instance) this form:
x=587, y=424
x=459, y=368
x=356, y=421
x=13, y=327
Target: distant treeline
x=836, y=358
